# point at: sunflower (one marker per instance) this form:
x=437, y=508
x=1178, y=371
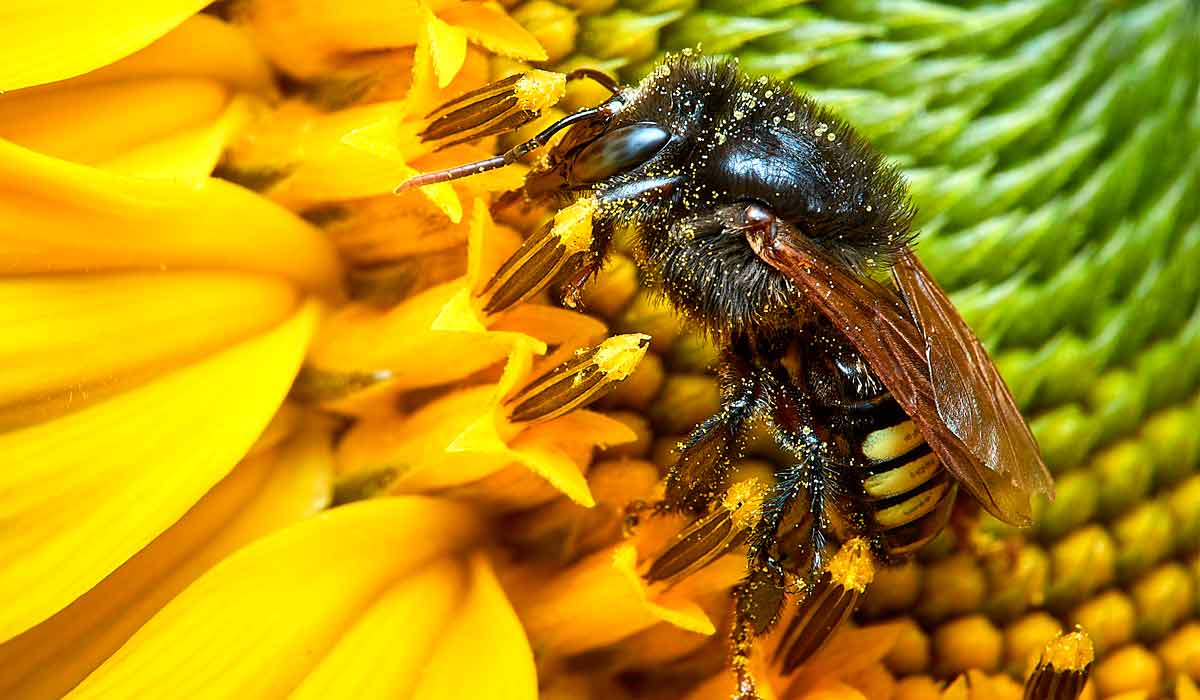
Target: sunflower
x=263, y=438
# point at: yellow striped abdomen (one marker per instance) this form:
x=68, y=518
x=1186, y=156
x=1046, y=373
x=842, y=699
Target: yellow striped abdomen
x=906, y=494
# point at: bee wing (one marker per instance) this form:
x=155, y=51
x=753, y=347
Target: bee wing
x=923, y=352
x=971, y=397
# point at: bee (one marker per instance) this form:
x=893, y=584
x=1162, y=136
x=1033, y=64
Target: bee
x=768, y=223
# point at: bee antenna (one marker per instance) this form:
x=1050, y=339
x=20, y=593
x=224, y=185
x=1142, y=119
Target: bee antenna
x=596, y=76
x=510, y=156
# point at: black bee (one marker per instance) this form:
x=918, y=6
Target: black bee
x=770, y=224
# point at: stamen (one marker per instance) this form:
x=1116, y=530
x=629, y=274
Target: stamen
x=1063, y=669
x=829, y=602
x=587, y=376
x=566, y=243
x=712, y=535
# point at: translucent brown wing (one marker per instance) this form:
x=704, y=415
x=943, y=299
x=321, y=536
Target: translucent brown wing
x=935, y=368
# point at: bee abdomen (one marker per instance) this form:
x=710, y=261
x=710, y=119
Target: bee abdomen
x=906, y=494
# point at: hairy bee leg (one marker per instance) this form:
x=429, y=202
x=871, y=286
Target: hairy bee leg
x=702, y=470
x=741, y=644
x=814, y=473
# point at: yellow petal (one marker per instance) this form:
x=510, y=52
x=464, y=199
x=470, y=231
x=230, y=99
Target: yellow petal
x=93, y=123
x=57, y=216
x=849, y=651
x=414, y=447
x=305, y=36
x=383, y=654
x=488, y=25
x=723, y=684
x=353, y=153
x=45, y=41
x=485, y=630
x=71, y=335
x=447, y=47
x=261, y=621
x=555, y=465
x=597, y=601
x=676, y=610
x=362, y=338
x=190, y=154
x=86, y=491
x=202, y=47
x=544, y=449
x=262, y=494
x=1185, y=689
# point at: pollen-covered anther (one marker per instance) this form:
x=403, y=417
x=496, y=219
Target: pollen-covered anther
x=496, y=108
x=853, y=567
x=588, y=375
x=711, y=535
x=1063, y=669
x=540, y=89
x=565, y=243
x=828, y=603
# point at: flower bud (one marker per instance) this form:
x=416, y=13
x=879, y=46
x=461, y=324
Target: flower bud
x=1163, y=598
x=1082, y=563
x=1124, y=472
x=1109, y=619
x=1130, y=668
x=967, y=643
x=685, y=401
x=1026, y=639
x=953, y=586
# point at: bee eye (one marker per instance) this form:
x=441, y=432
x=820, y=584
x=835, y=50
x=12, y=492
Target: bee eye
x=756, y=214
x=618, y=151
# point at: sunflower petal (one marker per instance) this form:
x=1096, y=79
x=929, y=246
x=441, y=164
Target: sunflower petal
x=262, y=494
x=600, y=599
x=202, y=47
x=86, y=491
x=188, y=154
x=488, y=25
x=97, y=122
x=486, y=630
x=447, y=47
x=34, y=34
x=408, y=617
x=260, y=622
x=72, y=334
x=57, y=216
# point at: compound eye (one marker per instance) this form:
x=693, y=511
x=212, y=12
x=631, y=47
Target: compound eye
x=618, y=151
x=756, y=214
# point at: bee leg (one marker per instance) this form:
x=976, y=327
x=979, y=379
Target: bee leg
x=826, y=603
x=742, y=642
x=701, y=472
x=814, y=473
x=579, y=271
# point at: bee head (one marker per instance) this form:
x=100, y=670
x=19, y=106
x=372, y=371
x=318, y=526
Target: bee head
x=760, y=142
